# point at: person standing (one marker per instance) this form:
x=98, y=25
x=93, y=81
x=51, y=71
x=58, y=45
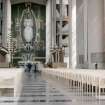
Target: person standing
x=29, y=66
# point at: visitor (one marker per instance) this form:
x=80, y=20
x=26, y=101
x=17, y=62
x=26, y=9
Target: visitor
x=96, y=66
x=29, y=65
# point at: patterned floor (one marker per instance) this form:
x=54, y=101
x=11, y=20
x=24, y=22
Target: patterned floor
x=41, y=89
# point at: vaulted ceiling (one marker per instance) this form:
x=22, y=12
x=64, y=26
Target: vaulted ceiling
x=42, y=2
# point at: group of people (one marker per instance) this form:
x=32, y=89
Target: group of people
x=29, y=67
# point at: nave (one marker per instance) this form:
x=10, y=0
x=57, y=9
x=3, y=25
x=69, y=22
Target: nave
x=43, y=89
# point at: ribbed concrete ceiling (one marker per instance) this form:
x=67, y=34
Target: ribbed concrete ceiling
x=42, y=2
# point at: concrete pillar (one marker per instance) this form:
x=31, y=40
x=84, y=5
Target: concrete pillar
x=8, y=29
x=82, y=33
x=104, y=20
x=4, y=23
x=48, y=30
x=53, y=35
x=60, y=28
x=7, y=25
x=85, y=7
x=70, y=32
x=72, y=36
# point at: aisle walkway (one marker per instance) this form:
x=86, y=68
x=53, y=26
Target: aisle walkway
x=41, y=89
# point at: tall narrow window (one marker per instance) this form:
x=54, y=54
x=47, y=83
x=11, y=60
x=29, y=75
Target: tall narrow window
x=1, y=9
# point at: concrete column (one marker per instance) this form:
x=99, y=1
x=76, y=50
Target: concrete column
x=4, y=24
x=85, y=2
x=104, y=20
x=48, y=30
x=7, y=26
x=56, y=57
x=60, y=29
x=70, y=32
x=53, y=36
x=8, y=34
x=72, y=36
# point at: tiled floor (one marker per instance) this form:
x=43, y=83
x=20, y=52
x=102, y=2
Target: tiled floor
x=41, y=89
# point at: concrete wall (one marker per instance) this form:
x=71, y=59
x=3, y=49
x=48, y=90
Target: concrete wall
x=96, y=46
x=95, y=33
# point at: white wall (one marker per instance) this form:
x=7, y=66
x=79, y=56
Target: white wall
x=94, y=31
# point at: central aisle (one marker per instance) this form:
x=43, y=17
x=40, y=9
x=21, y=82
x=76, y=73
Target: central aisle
x=37, y=90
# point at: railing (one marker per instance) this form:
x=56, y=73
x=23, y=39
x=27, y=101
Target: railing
x=89, y=80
